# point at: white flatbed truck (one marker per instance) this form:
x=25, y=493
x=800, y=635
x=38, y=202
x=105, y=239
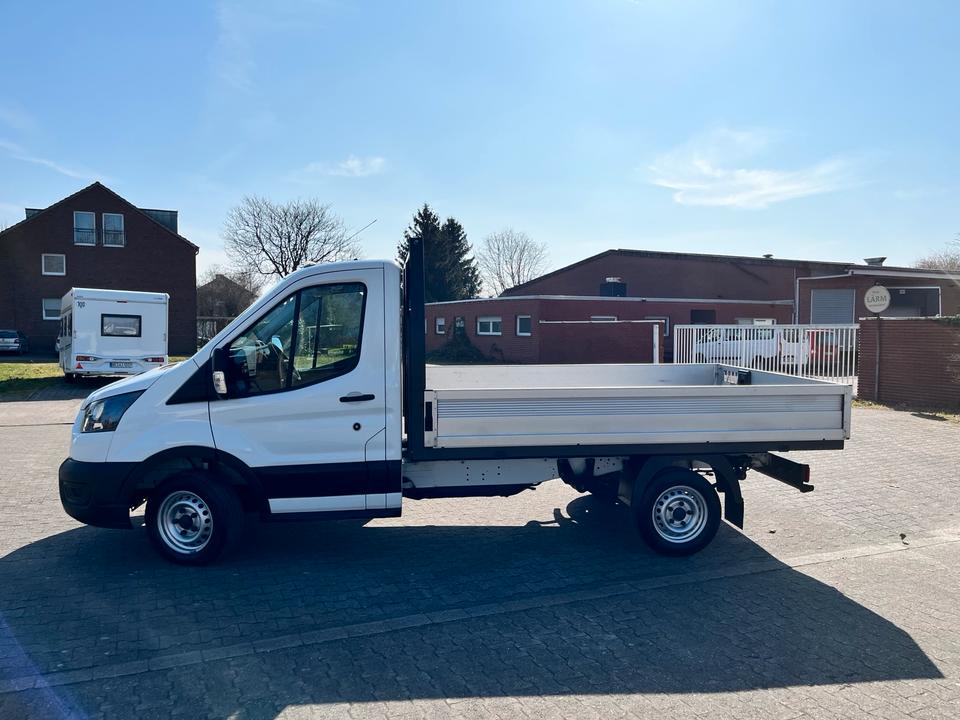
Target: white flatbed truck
x=317, y=402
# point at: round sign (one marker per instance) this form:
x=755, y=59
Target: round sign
x=877, y=299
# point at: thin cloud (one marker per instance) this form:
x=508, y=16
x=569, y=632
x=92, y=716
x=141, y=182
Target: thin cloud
x=353, y=166
x=16, y=117
x=233, y=55
x=247, y=30
x=19, y=153
x=713, y=170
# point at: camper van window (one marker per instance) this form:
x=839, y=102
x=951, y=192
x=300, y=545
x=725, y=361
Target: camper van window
x=120, y=325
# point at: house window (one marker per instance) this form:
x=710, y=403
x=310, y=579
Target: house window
x=84, y=228
x=524, y=326
x=440, y=325
x=488, y=325
x=703, y=317
x=666, y=323
x=51, y=308
x=113, y=235
x=603, y=318
x=53, y=264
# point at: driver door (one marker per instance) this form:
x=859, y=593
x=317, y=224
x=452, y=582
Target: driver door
x=305, y=407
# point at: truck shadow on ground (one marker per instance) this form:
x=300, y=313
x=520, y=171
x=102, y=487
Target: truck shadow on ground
x=729, y=619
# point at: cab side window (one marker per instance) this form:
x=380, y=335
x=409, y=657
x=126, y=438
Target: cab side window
x=311, y=336
x=328, y=332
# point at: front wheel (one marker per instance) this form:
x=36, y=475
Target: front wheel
x=193, y=518
x=678, y=513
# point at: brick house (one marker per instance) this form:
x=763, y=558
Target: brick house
x=97, y=239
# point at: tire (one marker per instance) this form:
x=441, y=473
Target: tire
x=212, y=510
x=70, y=377
x=678, y=512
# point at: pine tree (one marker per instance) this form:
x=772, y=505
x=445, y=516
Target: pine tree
x=449, y=271
x=463, y=275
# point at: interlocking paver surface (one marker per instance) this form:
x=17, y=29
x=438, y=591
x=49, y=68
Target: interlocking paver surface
x=540, y=605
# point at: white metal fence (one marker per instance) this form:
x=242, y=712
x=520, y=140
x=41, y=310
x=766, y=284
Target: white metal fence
x=825, y=352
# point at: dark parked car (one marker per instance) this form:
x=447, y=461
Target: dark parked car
x=13, y=341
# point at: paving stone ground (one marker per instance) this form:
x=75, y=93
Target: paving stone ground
x=541, y=605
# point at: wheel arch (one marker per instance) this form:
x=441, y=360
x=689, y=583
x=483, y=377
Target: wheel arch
x=152, y=472
x=642, y=470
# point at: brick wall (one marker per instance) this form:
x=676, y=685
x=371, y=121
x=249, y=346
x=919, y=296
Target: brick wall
x=919, y=361
x=578, y=342
x=519, y=349
x=153, y=260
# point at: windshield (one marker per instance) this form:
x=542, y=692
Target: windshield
x=7, y=334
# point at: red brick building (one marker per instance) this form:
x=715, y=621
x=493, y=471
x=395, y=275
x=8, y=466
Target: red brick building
x=94, y=238
x=678, y=288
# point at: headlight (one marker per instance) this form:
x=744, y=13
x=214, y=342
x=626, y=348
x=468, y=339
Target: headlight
x=104, y=415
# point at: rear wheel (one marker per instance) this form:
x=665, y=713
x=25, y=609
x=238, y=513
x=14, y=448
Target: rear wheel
x=193, y=518
x=678, y=512
x=70, y=377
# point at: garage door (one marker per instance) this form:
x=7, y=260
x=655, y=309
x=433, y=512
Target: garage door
x=832, y=307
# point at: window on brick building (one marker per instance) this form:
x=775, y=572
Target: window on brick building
x=440, y=326
x=489, y=325
x=53, y=264
x=51, y=308
x=524, y=325
x=84, y=228
x=113, y=235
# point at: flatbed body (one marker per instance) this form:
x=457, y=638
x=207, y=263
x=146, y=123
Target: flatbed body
x=639, y=406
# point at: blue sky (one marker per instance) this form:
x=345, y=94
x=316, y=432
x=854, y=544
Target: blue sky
x=821, y=130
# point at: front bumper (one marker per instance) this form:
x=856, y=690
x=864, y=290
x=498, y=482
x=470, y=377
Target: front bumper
x=93, y=492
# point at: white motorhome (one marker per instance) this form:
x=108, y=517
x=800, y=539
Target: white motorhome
x=112, y=332
x=317, y=402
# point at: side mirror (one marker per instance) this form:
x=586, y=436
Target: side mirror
x=219, y=375
x=277, y=343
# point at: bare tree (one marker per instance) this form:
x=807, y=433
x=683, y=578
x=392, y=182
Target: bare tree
x=509, y=258
x=272, y=239
x=946, y=260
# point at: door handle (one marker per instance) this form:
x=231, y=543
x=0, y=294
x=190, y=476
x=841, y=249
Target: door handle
x=358, y=397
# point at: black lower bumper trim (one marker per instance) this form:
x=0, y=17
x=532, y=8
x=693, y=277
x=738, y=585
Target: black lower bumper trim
x=92, y=492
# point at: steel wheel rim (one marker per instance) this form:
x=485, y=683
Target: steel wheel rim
x=185, y=522
x=679, y=514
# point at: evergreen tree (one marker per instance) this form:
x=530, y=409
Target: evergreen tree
x=463, y=275
x=450, y=273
